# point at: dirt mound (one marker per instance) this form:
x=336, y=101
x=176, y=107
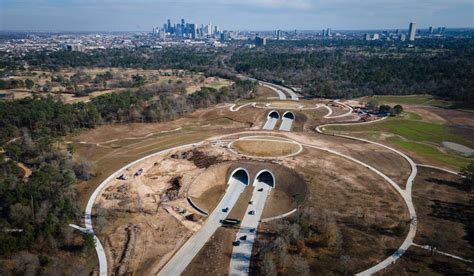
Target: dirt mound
x=172, y=193
x=199, y=158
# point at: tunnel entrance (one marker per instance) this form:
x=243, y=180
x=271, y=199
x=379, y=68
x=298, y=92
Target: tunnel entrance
x=274, y=115
x=266, y=177
x=289, y=115
x=240, y=175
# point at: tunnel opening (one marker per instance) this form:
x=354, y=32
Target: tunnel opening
x=266, y=177
x=274, y=114
x=241, y=175
x=289, y=115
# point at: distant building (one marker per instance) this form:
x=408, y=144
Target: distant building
x=328, y=32
x=278, y=34
x=430, y=30
x=366, y=36
x=412, y=31
x=74, y=47
x=225, y=36
x=193, y=30
x=376, y=37
x=260, y=41
x=403, y=37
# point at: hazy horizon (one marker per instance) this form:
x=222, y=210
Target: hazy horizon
x=142, y=15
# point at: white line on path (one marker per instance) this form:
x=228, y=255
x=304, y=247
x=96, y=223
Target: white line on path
x=427, y=247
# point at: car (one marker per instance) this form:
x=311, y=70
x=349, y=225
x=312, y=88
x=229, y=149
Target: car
x=225, y=210
x=250, y=202
x=260, y=190
x=236, y=243
x=122, y=177
x=139, y=172
x=252, y=212
x=243, y=238
x=252, y=230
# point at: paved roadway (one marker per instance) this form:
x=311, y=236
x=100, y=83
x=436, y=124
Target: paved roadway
x=240, y=259
x=270, y=123
x=191, y=248
x=290, y=92
x=280, y=93
x=286, y=124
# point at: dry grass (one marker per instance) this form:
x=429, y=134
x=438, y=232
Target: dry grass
x=265, y=148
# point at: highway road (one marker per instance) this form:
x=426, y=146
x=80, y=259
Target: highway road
x=191, y=248
x=270, y=123
x=241, y=254
x=287, y=121
x=286, y=124
x=280, y=93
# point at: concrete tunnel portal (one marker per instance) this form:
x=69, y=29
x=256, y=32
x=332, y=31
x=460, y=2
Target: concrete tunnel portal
x=273, y=115
x=240, y=175
x=289, y=115
x=266, y=177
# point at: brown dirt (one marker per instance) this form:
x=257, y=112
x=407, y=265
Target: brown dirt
x=384, y=160
x=365, y=207
x=445, y=212
x=419, y=261
x=214, y=257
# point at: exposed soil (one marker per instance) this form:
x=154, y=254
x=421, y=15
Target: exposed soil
x=445, y=212
x=214, y=257
x=366, y=209
x=419, y=261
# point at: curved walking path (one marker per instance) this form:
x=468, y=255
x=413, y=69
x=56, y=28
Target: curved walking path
x=179, y=265
x=405, y=193
x=88, y=213
x=330, y=111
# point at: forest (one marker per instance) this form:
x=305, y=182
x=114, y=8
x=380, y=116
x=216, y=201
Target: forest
x=349, y=72
x=34, y=209
x=333, y=68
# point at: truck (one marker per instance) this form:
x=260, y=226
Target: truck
x=230, y=221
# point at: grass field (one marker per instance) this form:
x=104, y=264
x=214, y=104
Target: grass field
x=411, y=99
x=265, y=148
x=419, y=137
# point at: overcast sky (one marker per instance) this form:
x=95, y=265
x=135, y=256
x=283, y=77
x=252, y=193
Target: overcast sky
x=141, y=15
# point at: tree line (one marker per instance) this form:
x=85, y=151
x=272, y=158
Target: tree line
x=42, y=204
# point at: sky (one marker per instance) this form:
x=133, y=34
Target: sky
x=142, y=15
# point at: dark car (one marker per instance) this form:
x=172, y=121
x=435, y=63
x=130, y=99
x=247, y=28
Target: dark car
x=236, y=243
x=260, y=190
x=252, y=212
x=225, y=210
x=243, y=238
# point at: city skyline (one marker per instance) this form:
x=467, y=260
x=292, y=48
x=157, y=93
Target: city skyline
x=121, y=15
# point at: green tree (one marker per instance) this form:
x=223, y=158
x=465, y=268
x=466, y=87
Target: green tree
x=29, y=83
x=89, y=242
x=398, y=109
